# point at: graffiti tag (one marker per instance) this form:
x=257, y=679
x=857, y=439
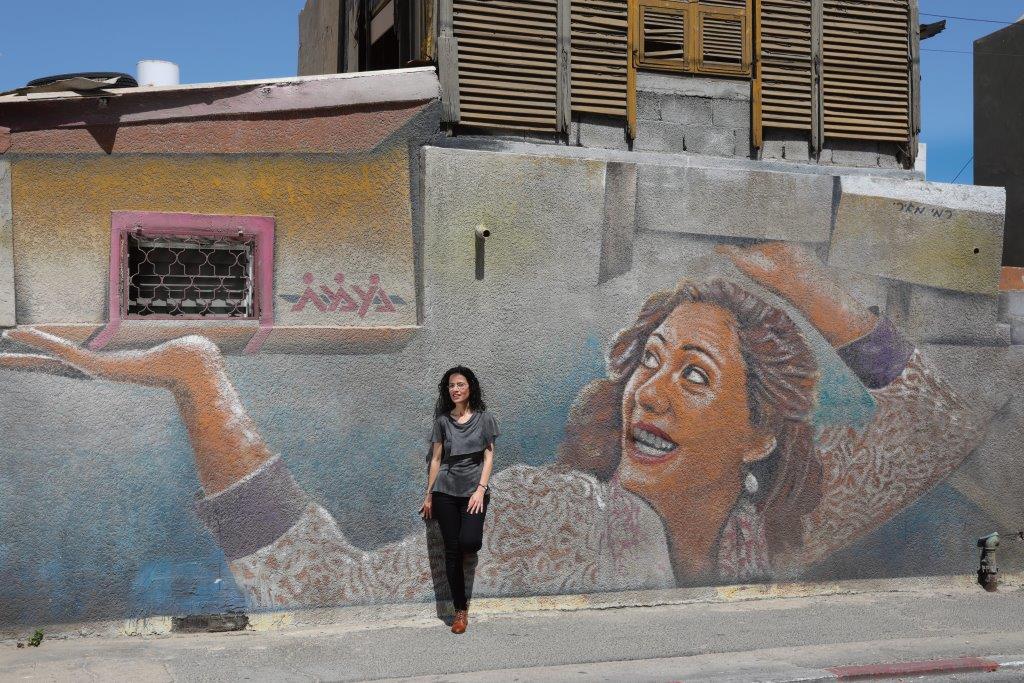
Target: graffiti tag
x=918, y=210
x=346, y=298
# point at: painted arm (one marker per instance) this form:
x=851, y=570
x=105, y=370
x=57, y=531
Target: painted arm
x=225, y=441
x=285, y=550
x=282, y=548
x=919, y=432
x=797, y=275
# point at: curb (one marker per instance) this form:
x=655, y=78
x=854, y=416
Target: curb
x=357, y=617
x=930, y=667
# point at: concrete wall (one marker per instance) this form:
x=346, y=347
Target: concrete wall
x=687, y=113
x=116, y=502
x=999, y=128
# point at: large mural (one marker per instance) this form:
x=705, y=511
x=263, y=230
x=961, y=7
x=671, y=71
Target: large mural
x=706, y=372
x=695, y=459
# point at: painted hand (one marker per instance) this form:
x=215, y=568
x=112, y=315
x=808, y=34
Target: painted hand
x=796, y=274
x=786, y=268
x=166, y=365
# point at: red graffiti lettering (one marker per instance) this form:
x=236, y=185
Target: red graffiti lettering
x=309, y=296
x=340, y=299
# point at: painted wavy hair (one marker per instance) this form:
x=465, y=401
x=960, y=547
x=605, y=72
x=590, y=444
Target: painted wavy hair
x=782, y=376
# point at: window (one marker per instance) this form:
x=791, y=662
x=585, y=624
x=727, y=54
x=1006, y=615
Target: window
x=383, y=36
x=837, y=69
x=184, y=266
x=188, y=276
x=693, y=36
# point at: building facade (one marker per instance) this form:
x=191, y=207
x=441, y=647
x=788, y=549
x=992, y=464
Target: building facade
x=227, y=307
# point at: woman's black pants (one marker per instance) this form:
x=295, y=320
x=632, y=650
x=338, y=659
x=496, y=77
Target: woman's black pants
x=463, y=534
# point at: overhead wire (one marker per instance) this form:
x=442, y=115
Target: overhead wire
x=949, y=16
x=962, y=169
x=971, y=52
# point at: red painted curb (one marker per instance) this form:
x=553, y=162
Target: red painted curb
x=930, y=666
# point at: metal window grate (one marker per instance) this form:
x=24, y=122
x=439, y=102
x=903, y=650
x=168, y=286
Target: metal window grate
x=188, y=276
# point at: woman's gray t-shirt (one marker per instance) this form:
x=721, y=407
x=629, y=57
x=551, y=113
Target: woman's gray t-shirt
x=462, y=461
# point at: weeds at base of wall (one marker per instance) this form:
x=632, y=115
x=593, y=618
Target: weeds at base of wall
x=35, y=640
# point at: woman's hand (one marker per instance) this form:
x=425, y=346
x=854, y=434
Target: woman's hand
x=476, y=502
x=793, y=272
x=427, y=507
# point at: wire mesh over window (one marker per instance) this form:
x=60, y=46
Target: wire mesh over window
x=188, y=276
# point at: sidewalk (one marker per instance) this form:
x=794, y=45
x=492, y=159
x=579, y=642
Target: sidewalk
x=780, y=633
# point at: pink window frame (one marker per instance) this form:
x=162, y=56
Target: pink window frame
x=203, y=225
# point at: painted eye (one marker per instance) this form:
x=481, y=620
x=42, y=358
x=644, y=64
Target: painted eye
x=695, y=375
x=650, y=360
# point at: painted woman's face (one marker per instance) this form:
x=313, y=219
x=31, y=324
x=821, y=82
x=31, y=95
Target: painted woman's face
x=685, y=416
x=458, y=388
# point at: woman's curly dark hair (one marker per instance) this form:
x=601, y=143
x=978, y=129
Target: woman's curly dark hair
x=782, y=376
x=445, y=404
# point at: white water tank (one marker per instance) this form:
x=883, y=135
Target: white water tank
x=157, y=72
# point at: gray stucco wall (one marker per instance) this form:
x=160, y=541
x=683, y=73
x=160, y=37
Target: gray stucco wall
x=98, y=480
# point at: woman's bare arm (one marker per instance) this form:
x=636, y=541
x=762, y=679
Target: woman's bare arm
x=485, y=475
x=426, y=510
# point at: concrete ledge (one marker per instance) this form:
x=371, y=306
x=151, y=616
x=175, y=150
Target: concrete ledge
x=299, y=339
x=735, y=203
x=485, y=144
x=935, y=234
x=693, y=86
x=232, y=336
x=203, y=100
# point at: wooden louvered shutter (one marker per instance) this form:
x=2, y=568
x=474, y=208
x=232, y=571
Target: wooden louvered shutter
x=664, y=38
x=785, y=90
x=599, y=56
x=507, y=63
x=865, y=69
x=723, y=35
x=711, y=36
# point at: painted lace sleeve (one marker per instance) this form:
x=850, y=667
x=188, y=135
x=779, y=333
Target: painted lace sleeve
x=547, y=532
x=285, y=550
x=552, y=530
x=920, y=431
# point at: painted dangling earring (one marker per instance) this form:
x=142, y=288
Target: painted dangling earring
x=750, y=484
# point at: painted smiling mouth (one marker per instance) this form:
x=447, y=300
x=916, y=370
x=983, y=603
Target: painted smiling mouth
x=651, y=444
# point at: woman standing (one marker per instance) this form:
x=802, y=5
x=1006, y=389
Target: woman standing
x=460, y=467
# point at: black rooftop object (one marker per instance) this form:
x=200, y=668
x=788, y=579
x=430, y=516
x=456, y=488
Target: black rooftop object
x=123, y=80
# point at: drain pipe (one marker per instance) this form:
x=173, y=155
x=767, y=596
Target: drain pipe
x=482, y=233
x=988, y=572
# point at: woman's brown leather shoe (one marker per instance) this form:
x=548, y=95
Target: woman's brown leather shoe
x=461, y=621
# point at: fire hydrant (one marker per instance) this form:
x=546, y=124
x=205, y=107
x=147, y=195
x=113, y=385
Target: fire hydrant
x=988, y=572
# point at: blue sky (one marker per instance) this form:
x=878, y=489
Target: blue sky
x=224, y=40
